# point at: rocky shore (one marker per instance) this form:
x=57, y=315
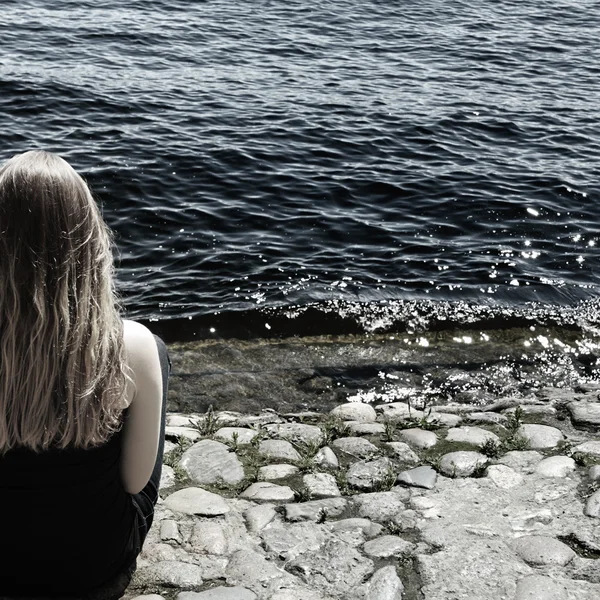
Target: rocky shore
x=382, y=502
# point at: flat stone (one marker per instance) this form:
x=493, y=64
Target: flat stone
x=541, y=436
x=219, y=593
x=590, y=448
x=169, y=447
x=398, y=411
x=461, y=464
x=555, y=466
x=297, y=594
x=422, y=477
x=539, y=587
x=367, y=475
x=471, y=435
x=326, y=458
x=252, y=570
x=592, y=506
x=169, y=531
x=180, y=420
x=403, y=452
x=385, y=585
x=430, y=508
x=487, y=417
x=208, y=537
x=321, y=485
x=209, y=462
x=279, y=450
x=419, y=437
x=315, y=510
x=356, y=446
x=167, y=477
x=289, y=541
x=365, y=526
x=196, y=501
x=148, y=597
x=585, y=414
x=188, y=433
x=594, y=472
x=244, y=434
x=271, y=472
x=173, y=574
x=258, y=517
x=387, y=546
x=445, y=419
x=504, y=477
x=381, y=507
x=264, y=491
x=524, y=461
x=540, y=550
x=355, y=411
x=358, y=428
x=296, y=432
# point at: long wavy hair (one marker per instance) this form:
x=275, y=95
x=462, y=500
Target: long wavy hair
x=62, y=368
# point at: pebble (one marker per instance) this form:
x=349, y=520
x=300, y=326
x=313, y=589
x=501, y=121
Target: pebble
x=368, y=475
x=462, y=463
x=264, y=491
x=419, y=438
x=321, y=485
x=270, y=472
x=403, y=452
x=356, y=446
x=385, y=585
x=355, y=411
x=471, y=435
x=209, y=462
x=278, y=450
x=539, y=550
x=422, y=477
x=387, y=546
x=539, y=587
x=541, y=436
x=219, y=593
x=196, y=501
x=556, y=466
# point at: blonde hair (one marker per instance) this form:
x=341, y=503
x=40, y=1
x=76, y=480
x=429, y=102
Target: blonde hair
x=62, y=373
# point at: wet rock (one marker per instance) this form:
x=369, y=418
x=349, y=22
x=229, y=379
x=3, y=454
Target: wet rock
x=196, y=501
x=209, y=462
x=264, y=491
x=555, y=466
x=541, y=436
x=208, y=537
x=368, y=475
x=402, y=452
x=462, y=464
x=471, y=435
x=592, y=506
x=278, y=450
x=355, y=411
x=423, y=477
x=387, y=546
x=173, y=574
x=258, y=517
x=297, y=432
x=381, y=507
x=271, y=472
x=539, y=587
x=585, y=414
x=321, y=485
x=419, y=438
x=290, y=541
x=398, y=411
x=504, y=477
x=356, y=446
x=539, y=550
x=219, y=593
x=326, y=458
x=244, y=435
x=385, y=585
x=358, y=428
x=315, y=510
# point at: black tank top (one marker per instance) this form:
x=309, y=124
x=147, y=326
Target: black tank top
x=66, y=521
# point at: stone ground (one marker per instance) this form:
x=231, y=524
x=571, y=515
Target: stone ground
x=380, y=503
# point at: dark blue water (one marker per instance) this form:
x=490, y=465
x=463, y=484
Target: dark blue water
x=350, y=158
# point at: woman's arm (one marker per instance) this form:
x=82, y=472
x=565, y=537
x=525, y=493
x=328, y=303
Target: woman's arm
x=142, y=425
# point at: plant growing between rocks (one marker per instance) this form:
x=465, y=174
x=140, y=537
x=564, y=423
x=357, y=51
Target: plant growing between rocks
x=332, y=429
x=210, y=423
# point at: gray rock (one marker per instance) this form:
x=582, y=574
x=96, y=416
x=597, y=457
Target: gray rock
x=196, y=501
x=504, y=477
x=244, y=434
x=321, y=485
x=172, y=573
x=402, y=452
x=419, y=437
x=365, y=526
x=541, y=436
x=358, y=428
x=258, y=517
x=381, y=506
x=271, y=472
x=586, y=414
x=539, y=550
x=368, y=475
x=462, y=464
x=167, y=477
x=169, y=447
x=524, y=461
x=594, y=472
x=169, y=531
x=219, y=593
x=539, y=587
x=188, y=433
x=355, y=411
x=423, y=477
x=209, y=462
x=398, y=411
x=471, y=435
x=315, y=510
x=445, y=419
x=297, y=432
x=279, y=450
x=555, y=466
x=297, y=593
x=590, y=448
x=208, y=537
x=264, y=491
x=487, y=417
x=252, y=570
x=385, y=585
x=387, y=546
x=289, y=541
x=179, y=420
x=326, y=458
x=592, y=506
x=149, y=597
x=356, y=446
